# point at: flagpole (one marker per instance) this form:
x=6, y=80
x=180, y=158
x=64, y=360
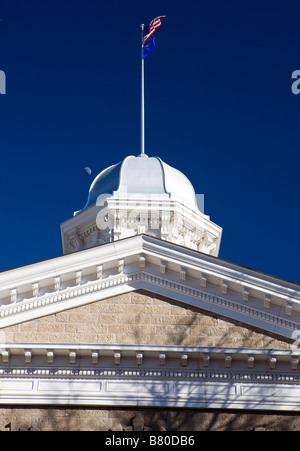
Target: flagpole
x=142, y=98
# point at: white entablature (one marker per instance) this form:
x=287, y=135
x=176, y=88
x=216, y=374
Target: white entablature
x=142, y=195
x=145, y=375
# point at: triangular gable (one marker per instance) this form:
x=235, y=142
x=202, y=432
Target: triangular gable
x=139, y=318
x=142, y=262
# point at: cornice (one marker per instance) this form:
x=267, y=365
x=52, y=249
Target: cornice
x=143, y=262
x=137, y=375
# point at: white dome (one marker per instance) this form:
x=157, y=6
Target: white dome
x=142, y=175
x=141, y=195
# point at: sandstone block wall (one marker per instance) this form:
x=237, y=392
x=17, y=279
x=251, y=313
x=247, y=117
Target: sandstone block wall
x=171, y=420
x=139, y=318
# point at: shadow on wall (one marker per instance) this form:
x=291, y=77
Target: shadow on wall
x=172, y=420
x=201, y=420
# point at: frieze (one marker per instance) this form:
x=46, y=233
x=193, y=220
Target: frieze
x=147, y=373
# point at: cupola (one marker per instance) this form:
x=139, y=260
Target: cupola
x=141, y=195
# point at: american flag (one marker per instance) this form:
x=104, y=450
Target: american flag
x=153, y=25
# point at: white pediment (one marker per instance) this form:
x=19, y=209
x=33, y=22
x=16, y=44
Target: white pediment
x=161, y=267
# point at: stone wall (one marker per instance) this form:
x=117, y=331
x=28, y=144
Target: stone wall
x=171, y=420
x=140, y=318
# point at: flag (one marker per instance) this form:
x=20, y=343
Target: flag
x=150, y=29
x=148, y=41
x=149, y=47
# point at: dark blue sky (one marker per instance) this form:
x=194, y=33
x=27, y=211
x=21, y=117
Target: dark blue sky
x=219, y=107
